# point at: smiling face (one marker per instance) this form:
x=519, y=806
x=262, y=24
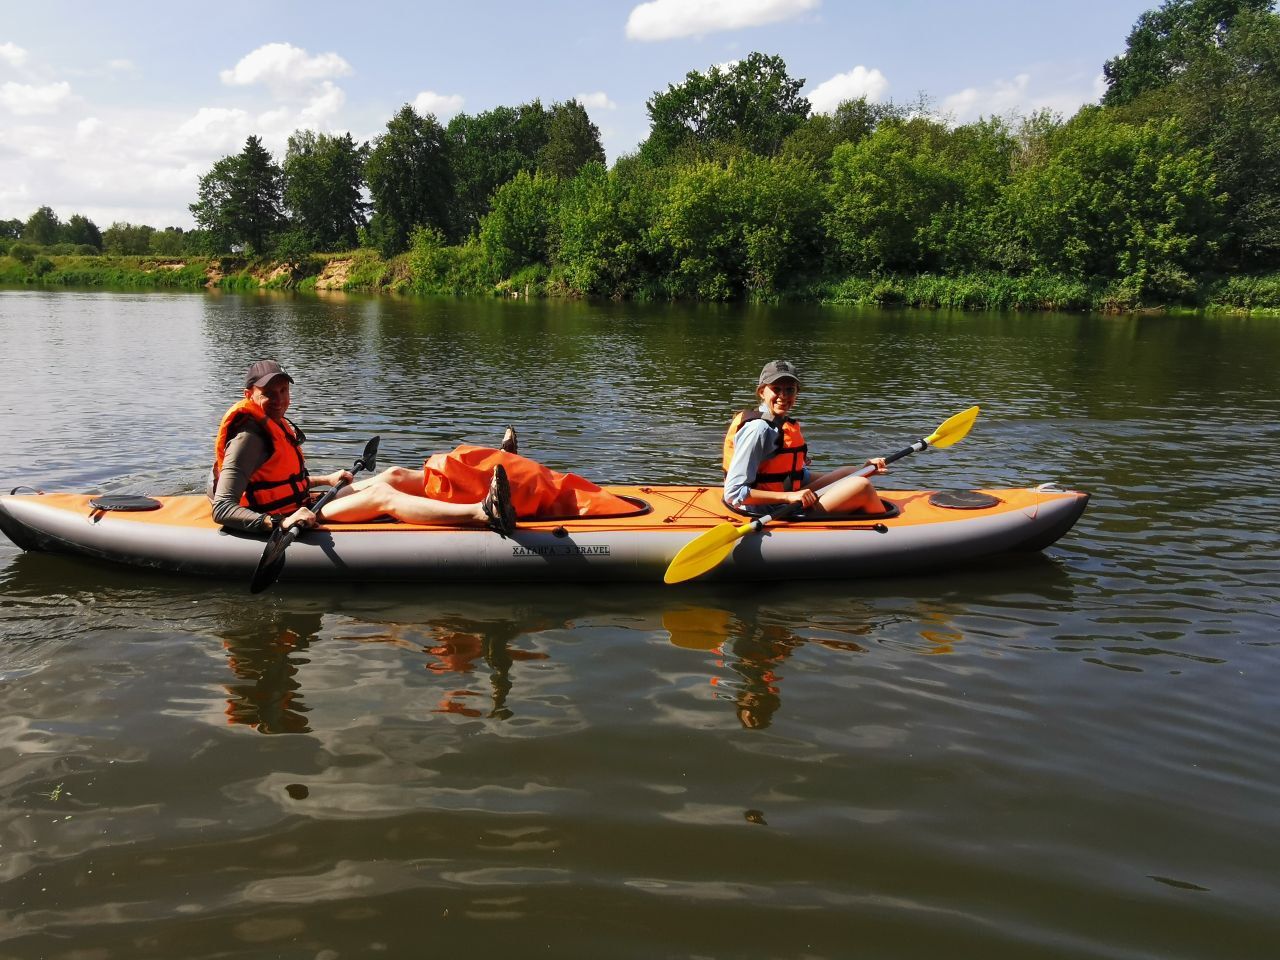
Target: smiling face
x=779, y=396
x=273, y=399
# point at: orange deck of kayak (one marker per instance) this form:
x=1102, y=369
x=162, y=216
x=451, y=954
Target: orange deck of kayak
x=672, y=508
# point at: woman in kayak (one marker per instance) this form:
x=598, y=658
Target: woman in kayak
x=766, y=458
x=260, y=480
x=260, y=477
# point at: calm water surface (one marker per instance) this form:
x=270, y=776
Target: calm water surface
x=1067, y=756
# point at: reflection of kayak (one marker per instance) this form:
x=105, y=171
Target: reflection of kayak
x=920, y=532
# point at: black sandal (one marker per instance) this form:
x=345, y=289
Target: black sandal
x=497, y=504
x=509, y=442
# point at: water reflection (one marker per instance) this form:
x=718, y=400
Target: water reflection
x=268, y=695
x=752, y=645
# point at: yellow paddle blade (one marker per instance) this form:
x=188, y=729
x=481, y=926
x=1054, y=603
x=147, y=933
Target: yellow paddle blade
x=953, y=430
x=705, y=551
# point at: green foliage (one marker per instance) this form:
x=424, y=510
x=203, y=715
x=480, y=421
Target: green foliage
x=437, y=268
x=488, y=150
x=740, y=229
x=604, y=220
x=751, y=104
x=1228, y=100
x=124, y=239
x=293, y=246
x=969, y=291
x=239, y=200
x=1245, y=292
x=1164, y=41
x=409, y=179
x=1115, y=200
x=10, y=229
x=24, y=253
x=816, y=138
x=42, y=228
x=81, y=231
x=517, y=230
x=368, y=271
x=572, y=141
x=895, y=197
x=323, y=179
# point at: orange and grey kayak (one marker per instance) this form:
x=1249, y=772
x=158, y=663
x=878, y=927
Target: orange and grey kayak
x=922, y=530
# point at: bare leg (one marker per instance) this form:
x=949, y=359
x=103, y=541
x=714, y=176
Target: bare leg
x=401, y=478
x=382, y=499
x=842, y=491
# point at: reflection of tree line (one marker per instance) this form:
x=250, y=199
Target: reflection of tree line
x=267, y=694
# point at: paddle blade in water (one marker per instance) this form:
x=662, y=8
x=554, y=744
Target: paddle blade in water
x=954, y=429
x=272, y=561
x=704, y=552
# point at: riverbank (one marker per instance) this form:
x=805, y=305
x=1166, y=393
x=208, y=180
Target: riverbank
x=462, y=271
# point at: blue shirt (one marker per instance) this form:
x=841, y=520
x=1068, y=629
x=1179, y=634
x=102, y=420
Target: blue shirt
x=754, y=444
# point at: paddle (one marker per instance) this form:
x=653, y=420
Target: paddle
x=707, y=550
x=272, y=561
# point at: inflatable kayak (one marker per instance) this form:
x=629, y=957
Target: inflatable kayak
x=922, y=530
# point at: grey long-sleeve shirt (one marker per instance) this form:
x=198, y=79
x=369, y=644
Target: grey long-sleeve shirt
x=246, y=452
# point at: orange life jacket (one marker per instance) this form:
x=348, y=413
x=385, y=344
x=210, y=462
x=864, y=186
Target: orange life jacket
x=280, y=485
x=781, y=470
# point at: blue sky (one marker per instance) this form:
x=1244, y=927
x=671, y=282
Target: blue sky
x=114, y=110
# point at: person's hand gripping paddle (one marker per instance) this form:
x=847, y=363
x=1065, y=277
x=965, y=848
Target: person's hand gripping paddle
x=272, y=561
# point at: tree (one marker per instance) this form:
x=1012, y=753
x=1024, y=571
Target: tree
x=128, y=239
x=603, y=246
x=42, y=227
x=746, y=227
x=1165, y=40
x=11, y=229
x=240, y=199
x=572, y=141
x=516, y=231
x=885, y=194
x=488, y=150
x=1117, y=200
x=323, y=177
x=409, y=179
x=1228, y=101
x=751, y=105
x=817, y=137
x=82, y=230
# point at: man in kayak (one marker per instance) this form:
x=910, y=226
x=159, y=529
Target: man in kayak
x=766, y=458
x=260, y=480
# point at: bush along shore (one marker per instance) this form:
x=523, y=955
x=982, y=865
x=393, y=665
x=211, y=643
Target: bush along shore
x=432, y=268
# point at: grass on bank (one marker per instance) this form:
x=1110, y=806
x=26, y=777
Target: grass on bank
x=464, y=270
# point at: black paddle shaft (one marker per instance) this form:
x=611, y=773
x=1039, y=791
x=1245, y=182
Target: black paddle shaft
x=795, y=507
x=272, y=561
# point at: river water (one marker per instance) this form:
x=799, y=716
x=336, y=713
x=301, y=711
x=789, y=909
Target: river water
x=1073, y=755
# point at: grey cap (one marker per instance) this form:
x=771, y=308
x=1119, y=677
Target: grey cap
x=778, y=370
x=263, y=372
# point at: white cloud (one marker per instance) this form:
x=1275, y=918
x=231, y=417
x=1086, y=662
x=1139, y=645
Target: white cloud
x=285, y=69
x=12, y=54
x=672, y=19
x=25, y=100
x=122, y=65
x=858, y=82
x=325, y=105
x=440, y=105
x=1020, y=96
x=213, y=130
x=596, y=101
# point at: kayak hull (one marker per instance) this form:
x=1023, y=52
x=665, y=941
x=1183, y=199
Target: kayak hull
x=181, y=537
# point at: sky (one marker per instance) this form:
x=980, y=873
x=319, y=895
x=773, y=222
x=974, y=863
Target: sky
x=114, y=110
